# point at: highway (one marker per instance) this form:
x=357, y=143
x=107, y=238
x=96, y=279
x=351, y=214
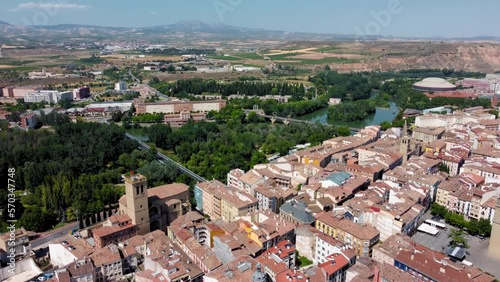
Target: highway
x=164, y=159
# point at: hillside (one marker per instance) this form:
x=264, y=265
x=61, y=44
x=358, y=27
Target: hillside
x=398, y=55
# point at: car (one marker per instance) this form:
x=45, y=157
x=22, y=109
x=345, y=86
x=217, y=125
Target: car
x=41, y=278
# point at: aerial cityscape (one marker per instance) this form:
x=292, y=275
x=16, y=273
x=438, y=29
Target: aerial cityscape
x=252, y=141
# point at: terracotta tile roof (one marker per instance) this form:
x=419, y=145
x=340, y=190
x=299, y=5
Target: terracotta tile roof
x=106, y=255
x=80, y=247
x=240, y=269
x=312, y=274
x=268, y=261
x=109, y=230
x=334, y=263
x=167, y=191
x=363, y=232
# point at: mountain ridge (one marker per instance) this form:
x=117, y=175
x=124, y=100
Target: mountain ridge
x=221, y=31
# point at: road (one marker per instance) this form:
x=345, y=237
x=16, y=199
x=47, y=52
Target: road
x=164, y=159
x=52, y=235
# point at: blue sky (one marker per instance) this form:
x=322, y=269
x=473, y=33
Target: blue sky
x=424, y=18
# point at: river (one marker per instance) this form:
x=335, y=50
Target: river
x=382, y=114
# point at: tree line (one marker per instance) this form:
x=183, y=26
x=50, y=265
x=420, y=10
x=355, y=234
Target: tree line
x=199, y=86
x=72, y=169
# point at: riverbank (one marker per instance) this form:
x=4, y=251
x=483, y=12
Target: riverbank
x=381, y=114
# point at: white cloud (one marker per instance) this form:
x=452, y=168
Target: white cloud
x=153, y=13
x=51, y=6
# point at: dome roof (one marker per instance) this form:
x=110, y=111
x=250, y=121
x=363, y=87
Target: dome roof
x=434, y=82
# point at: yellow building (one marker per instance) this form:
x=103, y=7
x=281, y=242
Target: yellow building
x=216, y=200
x=362, y=238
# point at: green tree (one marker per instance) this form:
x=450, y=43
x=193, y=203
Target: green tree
x=159, y=174
x=438, y=210
x=458, y=238
x=35, y=219
x=385, y=125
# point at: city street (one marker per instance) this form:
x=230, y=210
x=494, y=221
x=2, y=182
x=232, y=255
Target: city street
x=45, y=239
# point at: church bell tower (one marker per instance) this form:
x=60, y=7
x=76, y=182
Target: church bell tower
x=136, y=186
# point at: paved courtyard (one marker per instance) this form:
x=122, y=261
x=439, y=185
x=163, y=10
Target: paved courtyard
x=477, y=252
x=478, y=255
x=436, y=243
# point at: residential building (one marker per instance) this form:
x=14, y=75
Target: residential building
x=69, y=249
x=326, y=246
x=167, y=262
x=311, y=274
x=458, y=117
x=335, y=267
x=114, y=230
x=428, y=265
x=296, y=212
x=428, y=135
x=18, y=240
x=108, y=264
x=277, y=259
x=271, y=197
x=389, y=249
x=51, y=97
x=219, y=201
x=78, y=271
x=305, y=241
x=81, y=93
x=243, y=268
x=362, y=238
x=29, y=121
x=201, y=255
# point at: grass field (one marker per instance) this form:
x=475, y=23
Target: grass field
x=329, y=49
x=251, y=56
x=282, y=57
x=227, y=58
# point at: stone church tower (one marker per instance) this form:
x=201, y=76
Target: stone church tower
x=404, y=146
x=136, y=187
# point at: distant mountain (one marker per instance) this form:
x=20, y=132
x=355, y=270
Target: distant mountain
x=183, y=32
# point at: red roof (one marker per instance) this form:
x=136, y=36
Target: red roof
x=334, y=263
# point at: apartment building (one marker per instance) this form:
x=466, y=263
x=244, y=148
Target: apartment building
x=114, y=230
x=108, y=264
x=17, y=240
x=362, y=238
x=216, y=200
